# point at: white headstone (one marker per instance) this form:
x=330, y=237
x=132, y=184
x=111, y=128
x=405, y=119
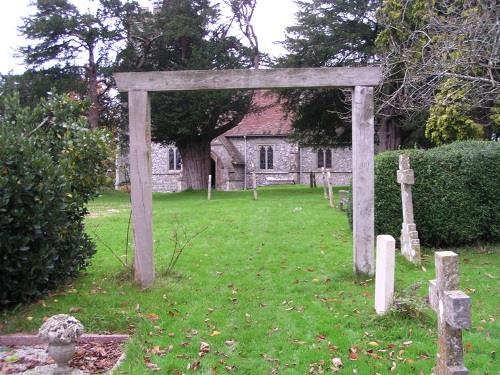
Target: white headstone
x=384, y=273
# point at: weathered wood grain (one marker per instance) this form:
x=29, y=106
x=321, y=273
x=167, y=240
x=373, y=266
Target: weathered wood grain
x=141, y=192
x=363, y=181
x=248, y=79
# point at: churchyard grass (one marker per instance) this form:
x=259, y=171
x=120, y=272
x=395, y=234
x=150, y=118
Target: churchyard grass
x=268, y=284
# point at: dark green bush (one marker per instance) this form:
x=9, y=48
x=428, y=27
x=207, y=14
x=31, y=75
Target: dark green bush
x=455, y=196
x=47, y=175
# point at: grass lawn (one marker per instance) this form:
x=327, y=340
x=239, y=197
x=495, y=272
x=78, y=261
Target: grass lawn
x=269, y=286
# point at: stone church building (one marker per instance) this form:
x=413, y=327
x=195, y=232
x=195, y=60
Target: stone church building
x=259, y=144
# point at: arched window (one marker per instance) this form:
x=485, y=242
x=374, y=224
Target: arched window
x=321, y=158
x=174, y=159
x=325, y=158
x=266, y=157
x=328, y=158
x=269, y=157
x=262, y=157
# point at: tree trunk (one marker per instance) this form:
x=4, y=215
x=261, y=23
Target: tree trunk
x=196, y=161
x=93, y=112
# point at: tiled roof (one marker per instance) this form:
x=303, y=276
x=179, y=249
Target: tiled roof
x=269, y=119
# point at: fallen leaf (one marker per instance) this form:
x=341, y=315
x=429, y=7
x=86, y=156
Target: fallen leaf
x=373, y=343
x=336, y=364
x=204, y=349
x=195, y=366
x=153, y=317
x=215, y=333
x=73, y=310
x=353, y=353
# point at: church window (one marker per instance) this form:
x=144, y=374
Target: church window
x=266, y=157
x=174, y=159
x=325, y=158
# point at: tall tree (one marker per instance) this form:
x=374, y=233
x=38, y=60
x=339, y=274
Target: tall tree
x=187, y=35
x=60, y=33
x=328, y=33
x=442, y=58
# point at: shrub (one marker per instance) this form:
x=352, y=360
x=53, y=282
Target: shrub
x=455, y=196
x=47, y=175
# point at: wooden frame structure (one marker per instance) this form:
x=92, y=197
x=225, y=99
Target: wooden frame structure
x=138, y=85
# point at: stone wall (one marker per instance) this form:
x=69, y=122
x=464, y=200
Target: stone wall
x=341, y=165
x=287, y=161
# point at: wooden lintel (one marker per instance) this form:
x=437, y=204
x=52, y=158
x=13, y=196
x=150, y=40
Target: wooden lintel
x=185, y=80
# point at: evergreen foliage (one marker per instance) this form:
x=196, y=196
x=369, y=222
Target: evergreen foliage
x=327, y=34
x=188, y=35
x=455, y=196
x=51, y=166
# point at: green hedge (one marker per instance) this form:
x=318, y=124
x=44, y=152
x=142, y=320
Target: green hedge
x=47, y=175
x=455, y=196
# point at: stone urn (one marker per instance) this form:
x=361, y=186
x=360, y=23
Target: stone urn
x=61, y=332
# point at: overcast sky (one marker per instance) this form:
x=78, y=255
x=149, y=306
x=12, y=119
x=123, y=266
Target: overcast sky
x=270, y=19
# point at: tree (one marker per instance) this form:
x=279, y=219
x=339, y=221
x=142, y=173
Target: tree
x=61, y=33
x=328, y=33
x=438, y=54
x=187, y=35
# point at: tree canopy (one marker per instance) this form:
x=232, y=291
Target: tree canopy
x=327, y=34
x=187, y=35
x=442, y=58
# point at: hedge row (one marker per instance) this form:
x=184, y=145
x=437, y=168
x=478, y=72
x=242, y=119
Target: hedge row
x=456, y=196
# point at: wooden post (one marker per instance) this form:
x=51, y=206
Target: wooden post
x=453, y=310
x=363, y=181
x=209, y=190
x=140, y=179
x=384, y=277
x=254, y=184
x=311, y=180
x=330, y=191
x=325, y=187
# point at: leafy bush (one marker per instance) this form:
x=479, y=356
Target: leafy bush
x=455, y=196
x=51, y=165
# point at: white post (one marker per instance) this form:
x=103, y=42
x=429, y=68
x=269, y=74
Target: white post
x=325, y=187
x=330, y=191
x=254, y=183
x=209, y=190
x=141, y=190
x=363, y=181
x=384, y=278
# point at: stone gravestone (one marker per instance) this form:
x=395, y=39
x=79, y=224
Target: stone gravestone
x=384, y=273
x=410, y=244
x=453, y=309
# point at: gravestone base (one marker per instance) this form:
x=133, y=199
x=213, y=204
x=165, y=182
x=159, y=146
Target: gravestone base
x=410, y=244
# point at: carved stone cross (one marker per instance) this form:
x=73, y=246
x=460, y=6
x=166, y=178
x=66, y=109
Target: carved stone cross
x=453, y=309
x=410, y=244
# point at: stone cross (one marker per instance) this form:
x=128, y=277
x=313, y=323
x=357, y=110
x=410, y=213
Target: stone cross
x=330, y=191
x=384, y=273
x=453, y=309
x=254, y=183
x=410, y=244
x=209, y=190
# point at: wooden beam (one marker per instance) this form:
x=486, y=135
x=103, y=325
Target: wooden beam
x=140, y=178
x=363, y=181
x=248, y=79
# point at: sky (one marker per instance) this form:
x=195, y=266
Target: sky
x=270, y=19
